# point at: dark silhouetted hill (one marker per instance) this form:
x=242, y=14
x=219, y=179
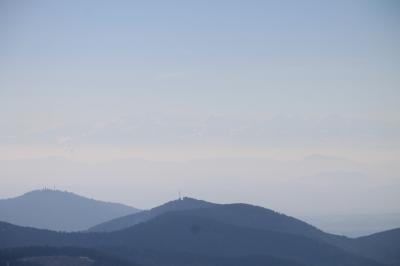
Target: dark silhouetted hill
x=246, y=215
x=236, y=214
x=143, y=216
x=194, y=232
x=383, y=246
x=178, y=235
x=179, y=232
x=59, y=210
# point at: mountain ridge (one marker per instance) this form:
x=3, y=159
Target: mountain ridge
x=187, y=230
x=126, y=221
x=176, y=232
x=59, y=210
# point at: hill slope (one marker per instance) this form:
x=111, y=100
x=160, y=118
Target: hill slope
x=174, y=236
x=193, y=232
x=59, y=210
x=177, y=231
x=236, y=214
x=143, y=216
x=52, y=256
x=383, y=246
x=258, y=218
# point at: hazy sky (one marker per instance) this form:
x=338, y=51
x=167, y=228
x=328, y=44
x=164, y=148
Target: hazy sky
x=177, y=80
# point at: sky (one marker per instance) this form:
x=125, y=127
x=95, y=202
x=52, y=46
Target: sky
x=103, y=83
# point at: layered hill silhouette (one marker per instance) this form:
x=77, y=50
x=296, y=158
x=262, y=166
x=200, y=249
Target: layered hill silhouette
x=236, y=214
x=383, y=246
x=245, y=215
x=59, y=210
x=194, y=232
x=178, y=233
x=119, y=223
x=185, y=233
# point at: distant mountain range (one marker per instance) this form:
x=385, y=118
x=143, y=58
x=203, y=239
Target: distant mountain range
x=199, y=233
x=59, y=210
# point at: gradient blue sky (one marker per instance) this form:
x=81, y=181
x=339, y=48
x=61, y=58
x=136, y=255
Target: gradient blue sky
x=196, y=70
x=179, y=80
